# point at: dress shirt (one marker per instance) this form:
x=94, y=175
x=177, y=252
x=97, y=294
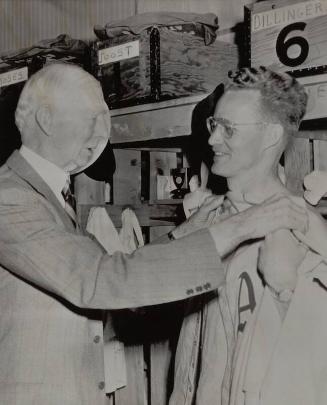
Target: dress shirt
x=54, y=176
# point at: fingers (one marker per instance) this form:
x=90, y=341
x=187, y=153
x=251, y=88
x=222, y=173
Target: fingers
x=203, y=195
x=212, y=202
x=211, y=218
x=282, y=212
x=274, y=197
x=285, y=199
x=208, y=210
x=288, y=205
x=293, y=217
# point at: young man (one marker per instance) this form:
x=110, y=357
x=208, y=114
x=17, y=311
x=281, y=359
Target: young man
x=258, y=339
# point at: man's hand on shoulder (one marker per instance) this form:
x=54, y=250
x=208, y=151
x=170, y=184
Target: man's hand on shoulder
x=278, y=212
x=202, y=218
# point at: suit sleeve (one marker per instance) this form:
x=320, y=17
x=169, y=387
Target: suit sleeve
x=41, y=251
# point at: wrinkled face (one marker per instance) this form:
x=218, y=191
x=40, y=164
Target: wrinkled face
x=81, y=126
x=237, y=134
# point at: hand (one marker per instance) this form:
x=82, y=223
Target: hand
x=316, y=186
x=281, y=212
x=193, y=201
x=280, y=256
x=202, y=218
x=278, y=212
x=316, y=235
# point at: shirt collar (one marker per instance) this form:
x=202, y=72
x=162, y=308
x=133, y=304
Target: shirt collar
x=54, y=176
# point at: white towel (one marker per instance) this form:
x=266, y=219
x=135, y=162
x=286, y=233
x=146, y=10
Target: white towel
x=130, y=238
x=130, y=234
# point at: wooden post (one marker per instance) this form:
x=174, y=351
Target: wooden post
x=320, y=155
x=88, y=191
x=127, y=178
x=298, y=164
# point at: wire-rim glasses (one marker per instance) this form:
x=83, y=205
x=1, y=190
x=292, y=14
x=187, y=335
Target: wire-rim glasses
x=227, y=127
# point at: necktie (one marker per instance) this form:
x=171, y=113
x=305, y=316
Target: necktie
x=70, y=202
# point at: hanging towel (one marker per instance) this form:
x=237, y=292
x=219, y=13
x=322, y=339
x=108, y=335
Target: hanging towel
x=100, y=225
x=129, y=239
x=130, y=235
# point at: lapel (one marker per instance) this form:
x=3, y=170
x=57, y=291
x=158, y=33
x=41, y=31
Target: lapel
x=21, y=167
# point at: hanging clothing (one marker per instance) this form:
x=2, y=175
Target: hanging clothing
x=100, y=225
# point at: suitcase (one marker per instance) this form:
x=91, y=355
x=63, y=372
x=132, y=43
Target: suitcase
x=159, y=63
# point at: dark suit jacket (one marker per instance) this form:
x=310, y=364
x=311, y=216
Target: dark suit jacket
x=53, y=281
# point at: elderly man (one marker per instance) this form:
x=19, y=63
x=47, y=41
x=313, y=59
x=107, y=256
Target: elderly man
x=260, y=339
x=54, y=280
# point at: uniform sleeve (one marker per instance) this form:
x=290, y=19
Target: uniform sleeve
x=41, y=251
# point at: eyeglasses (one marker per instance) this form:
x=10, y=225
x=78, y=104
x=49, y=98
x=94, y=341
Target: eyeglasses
x=228, y=128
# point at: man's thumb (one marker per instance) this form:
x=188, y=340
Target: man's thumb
x=214, y=202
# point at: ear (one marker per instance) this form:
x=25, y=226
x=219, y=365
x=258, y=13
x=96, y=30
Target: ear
x=274, y=135
x=44, y=119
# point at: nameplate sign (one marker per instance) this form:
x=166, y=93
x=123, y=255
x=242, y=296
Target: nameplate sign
x=13, y=76
x=316, y=88
x=288, y=35
x=287, y=15
x=117, y=53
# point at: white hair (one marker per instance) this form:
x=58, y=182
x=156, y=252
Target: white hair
x=43, y=86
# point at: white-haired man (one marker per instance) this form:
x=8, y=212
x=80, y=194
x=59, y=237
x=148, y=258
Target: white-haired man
x=53, y=280
x=260, y=339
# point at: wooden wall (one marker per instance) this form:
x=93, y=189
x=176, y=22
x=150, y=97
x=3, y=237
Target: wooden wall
x=24, y=22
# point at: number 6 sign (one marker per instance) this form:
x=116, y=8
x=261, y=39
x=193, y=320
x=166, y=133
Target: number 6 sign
x=288, y=35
